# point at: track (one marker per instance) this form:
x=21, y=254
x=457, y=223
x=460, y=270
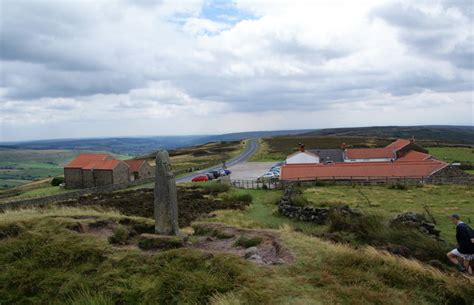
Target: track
x=250, y=149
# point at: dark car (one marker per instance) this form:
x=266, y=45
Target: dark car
x=215, y=174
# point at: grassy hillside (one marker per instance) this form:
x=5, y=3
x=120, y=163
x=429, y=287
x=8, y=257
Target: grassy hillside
x=46, y=258
x=441, y=134
x=278, y=148
x=21, y=166
x=202, y=156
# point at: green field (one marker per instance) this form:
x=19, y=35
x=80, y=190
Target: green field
x=20, y=166
x=441, y=201
x=453, y=154
x=278, y=148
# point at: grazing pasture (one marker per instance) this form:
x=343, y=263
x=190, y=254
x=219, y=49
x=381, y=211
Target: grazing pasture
x=453, y=154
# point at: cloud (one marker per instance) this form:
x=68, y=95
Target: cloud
x=101, y=62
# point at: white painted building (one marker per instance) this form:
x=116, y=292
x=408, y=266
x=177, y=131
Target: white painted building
x=300, y=157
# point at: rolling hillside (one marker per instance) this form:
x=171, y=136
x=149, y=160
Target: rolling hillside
x=440, y=134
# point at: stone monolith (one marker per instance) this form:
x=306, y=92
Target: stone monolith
x=166, y=202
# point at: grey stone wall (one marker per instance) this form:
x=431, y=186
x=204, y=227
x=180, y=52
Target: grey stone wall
x=121, y=173
x=88, y=179
x=73, y=178
x=146, y=170
x=70, y=195
x=103, y=177
x=311, y=214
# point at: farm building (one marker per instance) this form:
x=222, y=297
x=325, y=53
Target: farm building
x=139, y=169
x=400, y=159
x=92, y=170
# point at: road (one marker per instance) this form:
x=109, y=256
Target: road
x=250, y=149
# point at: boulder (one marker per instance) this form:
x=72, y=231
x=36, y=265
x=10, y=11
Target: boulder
x=250, y=252
x=418, y=221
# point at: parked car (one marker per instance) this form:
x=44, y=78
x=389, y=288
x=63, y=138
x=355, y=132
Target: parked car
x=224, y=172
x=210, y=176
x=200, y=178
x=215, y=174
x=267, y=176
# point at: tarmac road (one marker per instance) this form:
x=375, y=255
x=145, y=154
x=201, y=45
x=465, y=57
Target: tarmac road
x=250, y=149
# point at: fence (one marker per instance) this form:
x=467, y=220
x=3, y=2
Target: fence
x=408, y=181
x=254, y=184
x=385, y=180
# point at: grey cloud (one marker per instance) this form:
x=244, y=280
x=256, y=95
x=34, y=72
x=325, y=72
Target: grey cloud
x=431, y=35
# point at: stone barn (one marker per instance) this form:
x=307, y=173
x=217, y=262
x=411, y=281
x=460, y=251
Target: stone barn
x=92, y=170
x=139, y=169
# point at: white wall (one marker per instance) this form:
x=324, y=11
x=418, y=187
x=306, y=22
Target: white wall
x=302, y=157
x=368, y=160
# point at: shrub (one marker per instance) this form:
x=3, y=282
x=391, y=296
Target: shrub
x=216, y=188
x=374, y=230
x=247, y=242
x=398, y=186
x=299, y=200
x=57, y=181
x=120, y=236
x=235, y=197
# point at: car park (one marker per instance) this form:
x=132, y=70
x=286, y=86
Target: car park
x=200, y=178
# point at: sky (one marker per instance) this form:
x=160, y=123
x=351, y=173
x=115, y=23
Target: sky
x=98, y=68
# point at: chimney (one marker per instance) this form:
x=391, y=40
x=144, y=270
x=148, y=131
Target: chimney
x=412, y=140
x=343, y=146
x=301, y=147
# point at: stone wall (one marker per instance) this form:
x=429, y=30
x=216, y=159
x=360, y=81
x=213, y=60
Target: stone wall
x=103, y=177
x=311, y=214
x=451, y=174
x=88, y=179
x=70, y=195
x=73, y=178
x=146, y=170
x=121, y=173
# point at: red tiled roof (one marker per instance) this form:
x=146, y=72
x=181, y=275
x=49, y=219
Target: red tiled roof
x=86, y=159
x=413, y=155
x=398, y=144
x=102, y=165
x=135, y=164
x=369, y=153
x=361, y=170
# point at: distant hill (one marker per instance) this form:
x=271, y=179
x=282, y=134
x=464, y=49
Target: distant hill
x=141, y=145
x=441, y=134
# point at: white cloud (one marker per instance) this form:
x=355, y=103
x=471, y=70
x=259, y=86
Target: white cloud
x=100, y=63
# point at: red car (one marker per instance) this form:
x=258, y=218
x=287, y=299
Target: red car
x=200, y=178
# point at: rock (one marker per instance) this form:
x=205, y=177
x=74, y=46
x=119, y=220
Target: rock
x=257, y=259
x=418, y=221
x=251, y=251
x=278, y=261
x=162, y=242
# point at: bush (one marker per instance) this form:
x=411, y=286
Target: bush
x=216, y=188
x=247, y=242
x=375, y=231
x=235, y=197
x=120, y=236
x=299, y=200
x=57, y=181
x=398, y=186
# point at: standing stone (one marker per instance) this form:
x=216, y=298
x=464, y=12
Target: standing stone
x=166, y=202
